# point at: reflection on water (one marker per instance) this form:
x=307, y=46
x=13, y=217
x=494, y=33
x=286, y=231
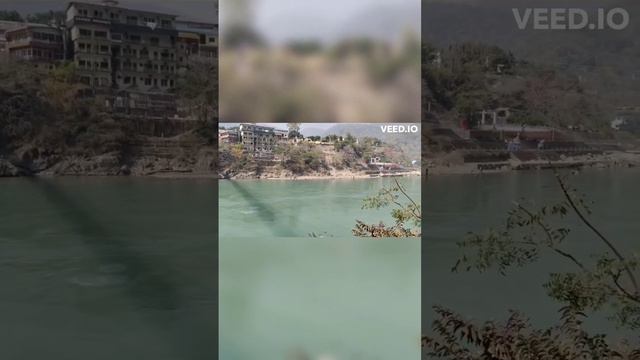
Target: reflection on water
x=108, y=269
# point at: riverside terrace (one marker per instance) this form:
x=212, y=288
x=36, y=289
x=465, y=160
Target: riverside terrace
x=499, y=144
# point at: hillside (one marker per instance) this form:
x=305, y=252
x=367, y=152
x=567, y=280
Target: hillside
x=606, y=61
x=47, y=128
x=341, y=158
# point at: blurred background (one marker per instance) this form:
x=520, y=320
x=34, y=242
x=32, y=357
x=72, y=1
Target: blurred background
x=320, y=61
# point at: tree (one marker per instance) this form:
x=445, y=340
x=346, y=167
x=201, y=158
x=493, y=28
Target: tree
x=10, y=16
x=407, y=216
x=294, y=127
x=515, y=339
x=608, y=284
x=47, y=17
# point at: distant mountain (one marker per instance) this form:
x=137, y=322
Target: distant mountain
x=606, y=61
x=493, y=22
x=312, y=130
x=410, y=143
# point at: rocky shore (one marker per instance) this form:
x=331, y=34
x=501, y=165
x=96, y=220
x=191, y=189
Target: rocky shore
x=149, y=157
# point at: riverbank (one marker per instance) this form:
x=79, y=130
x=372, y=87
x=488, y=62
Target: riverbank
x=340, y=175
x=449, y=164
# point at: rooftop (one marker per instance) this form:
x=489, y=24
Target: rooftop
x=115, y=5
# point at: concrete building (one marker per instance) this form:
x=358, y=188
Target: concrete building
x=258, y=140
x=228, y=136
x=42, y=44
x=197, y=41
x=123, y=48
x=4, y=27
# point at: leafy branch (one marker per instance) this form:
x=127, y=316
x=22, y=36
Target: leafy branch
x=402, y=213
x=609, y=282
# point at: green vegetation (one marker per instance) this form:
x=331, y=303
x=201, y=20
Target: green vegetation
x=38, y=18
x=10, y=15
x=44, y=113
x=464, y=79
x=407, y=215
x=309, y=158
x=49, y=116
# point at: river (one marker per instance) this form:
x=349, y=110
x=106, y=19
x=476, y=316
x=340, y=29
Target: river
x=281, y=208
x=457, y=204
x=107, y=268
x=124, y=268
x=287, y=295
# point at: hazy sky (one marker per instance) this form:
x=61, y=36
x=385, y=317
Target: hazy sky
x=311, y=127
x=202, y=10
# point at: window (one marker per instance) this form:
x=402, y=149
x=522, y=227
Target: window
x=85, y=32
x=164, y=83
x=147, y=82
x=166, y=23
x=154, y=41
x=97, y=14
x=116, y=37
x=127, y=80
x=132, y=20
x=82, y=63
x=104, y=65
x=83, y=12
x=115, y=16
x=104, y=49
x=171, y=83
x=135, y=38
x=100, y=34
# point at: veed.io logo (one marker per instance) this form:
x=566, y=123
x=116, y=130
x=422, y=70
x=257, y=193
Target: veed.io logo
x=399, y=128
x=571, y=19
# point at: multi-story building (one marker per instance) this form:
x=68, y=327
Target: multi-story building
x=4, y=27
x=131, y=56
x=257, y=139
x=197, y=40
x=123, y=48
x=42, y=44
x=228, y=136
